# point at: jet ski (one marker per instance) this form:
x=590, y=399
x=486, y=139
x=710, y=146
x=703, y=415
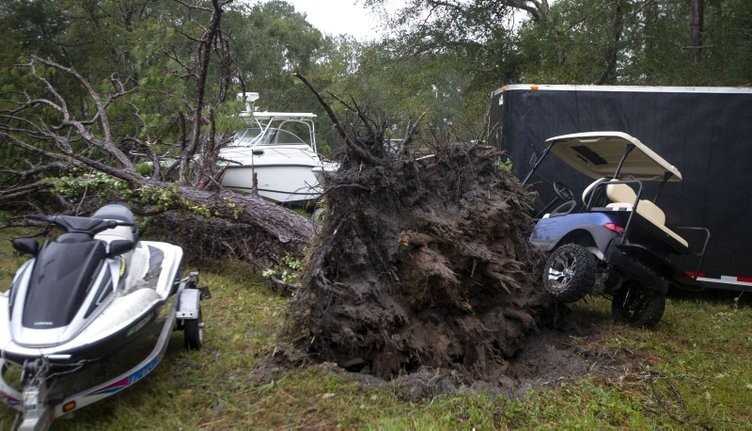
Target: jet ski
x=90, y=314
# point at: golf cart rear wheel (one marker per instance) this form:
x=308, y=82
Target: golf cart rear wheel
x=637, y=305
x=569, y=274
x=193, y=332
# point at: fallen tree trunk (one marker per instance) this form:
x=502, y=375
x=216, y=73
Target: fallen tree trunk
x=209, y=225
x=213, y=225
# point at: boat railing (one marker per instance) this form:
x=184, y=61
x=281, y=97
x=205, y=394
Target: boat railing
x=272, y=126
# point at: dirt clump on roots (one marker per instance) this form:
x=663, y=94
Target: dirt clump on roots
x=422, y=263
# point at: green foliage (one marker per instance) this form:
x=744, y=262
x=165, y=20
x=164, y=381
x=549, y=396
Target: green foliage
x=150, y=45
x=161, y=197
x=443, y=63
x=569, y=47
x=288, y=271
x=144, y=168
x=504, y=165
x=80, y=185
x=583, y=41
x=83, y=184
x=400, y=87
x=650, y=43
x=271, y=40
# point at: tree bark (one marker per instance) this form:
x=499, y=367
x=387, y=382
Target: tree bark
x=696, y=26
x=292, y=231
x=245, y=227
x=611, y=55
x=203, y=53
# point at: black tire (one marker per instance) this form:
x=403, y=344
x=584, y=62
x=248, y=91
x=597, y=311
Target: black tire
x=637, y=305
x=569, y=274
x=193, y=332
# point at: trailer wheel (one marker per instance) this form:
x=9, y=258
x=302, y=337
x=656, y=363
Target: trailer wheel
x=193, y=332
x=637, y=305
x=569, y=273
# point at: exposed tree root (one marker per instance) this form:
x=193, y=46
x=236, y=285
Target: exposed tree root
x=423, y=262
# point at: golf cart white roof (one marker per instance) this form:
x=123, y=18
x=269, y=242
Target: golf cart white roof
x=597, y=155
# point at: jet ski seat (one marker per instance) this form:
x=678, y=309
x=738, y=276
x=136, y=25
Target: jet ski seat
x=115, y=212
x=120, y=213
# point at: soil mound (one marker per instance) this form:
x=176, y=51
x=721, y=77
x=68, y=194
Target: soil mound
x=423, y=261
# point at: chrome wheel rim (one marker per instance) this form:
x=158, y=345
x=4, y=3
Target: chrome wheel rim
x=561, y=270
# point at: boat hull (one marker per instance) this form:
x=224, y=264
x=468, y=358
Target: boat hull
x=118, y=347
x=294, y=184
x=135, y=306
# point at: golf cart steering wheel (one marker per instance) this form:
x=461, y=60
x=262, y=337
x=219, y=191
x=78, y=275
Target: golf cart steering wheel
x=564, y=209
x=563, y=191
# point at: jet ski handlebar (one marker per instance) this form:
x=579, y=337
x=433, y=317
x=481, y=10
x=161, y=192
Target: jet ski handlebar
x=77, y=224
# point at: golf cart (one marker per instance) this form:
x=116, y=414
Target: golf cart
x=613, y=241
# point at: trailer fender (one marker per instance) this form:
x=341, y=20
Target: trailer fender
x=188, y=304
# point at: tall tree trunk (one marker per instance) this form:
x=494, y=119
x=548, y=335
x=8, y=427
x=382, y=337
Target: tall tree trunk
x=697, y=22
x=203, y=54
x=611, y=56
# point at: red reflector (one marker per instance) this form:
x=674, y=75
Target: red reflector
x=692, y=274
x=614, y=227
x=70, y=405
x=744, y=279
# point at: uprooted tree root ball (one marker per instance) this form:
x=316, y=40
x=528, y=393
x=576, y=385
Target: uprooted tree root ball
x=423, y=261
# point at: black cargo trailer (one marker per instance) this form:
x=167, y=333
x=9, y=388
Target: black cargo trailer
x=706, y=132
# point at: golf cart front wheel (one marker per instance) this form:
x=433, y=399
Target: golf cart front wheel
x=569, y=274
x=637, y=305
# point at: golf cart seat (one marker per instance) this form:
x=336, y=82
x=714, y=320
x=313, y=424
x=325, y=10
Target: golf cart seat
x=622, y=196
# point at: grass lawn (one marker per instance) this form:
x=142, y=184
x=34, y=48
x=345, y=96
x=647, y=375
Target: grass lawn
x=693, y=371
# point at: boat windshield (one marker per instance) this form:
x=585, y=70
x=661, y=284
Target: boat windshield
x=272, y=136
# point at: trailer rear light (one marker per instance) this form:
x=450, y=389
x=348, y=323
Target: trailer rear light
x=614, y=227
x=744, y=279
x=693, y=274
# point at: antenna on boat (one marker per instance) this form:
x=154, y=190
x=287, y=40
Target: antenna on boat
x=249, y=98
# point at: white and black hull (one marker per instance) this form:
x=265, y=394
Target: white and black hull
x=281, y=173
x=291, y=184
x=90, y=314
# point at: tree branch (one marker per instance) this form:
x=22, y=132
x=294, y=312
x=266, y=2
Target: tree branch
x=100, y=116
x=357, y=149
x=203, y=51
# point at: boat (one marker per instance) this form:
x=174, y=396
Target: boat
x=89, y=314
x=275, y=156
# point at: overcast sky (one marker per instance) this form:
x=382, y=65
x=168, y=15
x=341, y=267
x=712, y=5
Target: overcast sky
x=340, y=17
x=335, y=17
